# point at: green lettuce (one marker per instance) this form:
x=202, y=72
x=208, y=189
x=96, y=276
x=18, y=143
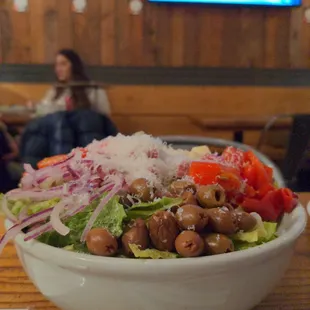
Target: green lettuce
x=110, y=218
x=151, y=253
x=16, y=206
x=265, y=232
x=42, y=205
x=147, y=209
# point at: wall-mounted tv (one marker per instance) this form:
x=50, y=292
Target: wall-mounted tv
x=283, y=3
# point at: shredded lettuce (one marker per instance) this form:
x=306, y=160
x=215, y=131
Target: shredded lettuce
x=145, y=210
x=110, y=218
x=151, y=253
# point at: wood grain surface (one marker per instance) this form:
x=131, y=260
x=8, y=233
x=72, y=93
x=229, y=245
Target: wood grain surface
x=16, y=291
x=163, y=35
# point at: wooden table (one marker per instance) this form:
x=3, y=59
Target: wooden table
x=16, y=119
x=238, y=124
x=16, y=291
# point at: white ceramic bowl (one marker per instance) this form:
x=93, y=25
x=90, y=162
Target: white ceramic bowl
x=234, y=281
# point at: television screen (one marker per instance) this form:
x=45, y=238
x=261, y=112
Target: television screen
x=238, y=2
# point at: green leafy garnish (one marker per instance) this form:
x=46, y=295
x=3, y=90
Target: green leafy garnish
x=147, y=209
x=110, y=218
x=151, y=253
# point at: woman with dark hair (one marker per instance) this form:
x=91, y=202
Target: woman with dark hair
x=73, y=90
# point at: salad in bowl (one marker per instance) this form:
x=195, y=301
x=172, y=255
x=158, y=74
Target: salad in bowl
x=137, y=197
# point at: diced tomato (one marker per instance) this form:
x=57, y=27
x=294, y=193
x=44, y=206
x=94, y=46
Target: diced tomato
x=233, y=156
x=50, y=161
x=84, y=151
x=204, y=173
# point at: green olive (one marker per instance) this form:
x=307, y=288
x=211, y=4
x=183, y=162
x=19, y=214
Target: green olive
x=140, y=189
x=180, y=186
x=211, y=196
x=218, y=244
x=222, y=220
x=245, y=221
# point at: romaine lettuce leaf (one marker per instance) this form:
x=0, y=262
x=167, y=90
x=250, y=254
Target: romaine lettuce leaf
x=145, y=210
x=262, y=234
x=151, y=253
x=16, y=206
x=111, y=218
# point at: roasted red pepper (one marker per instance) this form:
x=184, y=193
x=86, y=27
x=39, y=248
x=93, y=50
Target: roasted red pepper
x=257, y=174
x=267, y=207
x=288, y=199
x=272, y=205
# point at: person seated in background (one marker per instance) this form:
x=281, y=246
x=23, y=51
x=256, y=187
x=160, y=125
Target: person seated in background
x=8, y=153
x=73, y=89
x=60, y=132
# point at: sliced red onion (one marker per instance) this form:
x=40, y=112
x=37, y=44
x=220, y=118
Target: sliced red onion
x=38, y=231
x=73, y=172
x=36, y=195
x=65, y=161
x=28, y=168
x=17, y=228
x=99, y=208
x=7, y=211
x=42, y=179
x=27, y=181
x=55, y=218
x=87, y=161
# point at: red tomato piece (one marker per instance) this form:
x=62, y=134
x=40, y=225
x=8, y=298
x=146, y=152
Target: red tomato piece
x=204, y=173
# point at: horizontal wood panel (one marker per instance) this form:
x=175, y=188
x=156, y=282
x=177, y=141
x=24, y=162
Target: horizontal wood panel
x=210, y=101
x=164, y=110
x=185, y=100
x=175, y=35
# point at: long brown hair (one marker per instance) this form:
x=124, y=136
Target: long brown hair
x=80, y=99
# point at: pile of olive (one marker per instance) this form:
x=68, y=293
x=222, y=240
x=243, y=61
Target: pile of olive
x=201, y=225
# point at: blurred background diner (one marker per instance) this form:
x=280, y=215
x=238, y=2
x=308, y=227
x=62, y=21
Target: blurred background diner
x=193, y=71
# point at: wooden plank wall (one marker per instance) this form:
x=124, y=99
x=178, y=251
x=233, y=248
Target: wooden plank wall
x=163, y=35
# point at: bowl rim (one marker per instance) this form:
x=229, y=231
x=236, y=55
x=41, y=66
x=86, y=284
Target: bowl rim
x=72, y=260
